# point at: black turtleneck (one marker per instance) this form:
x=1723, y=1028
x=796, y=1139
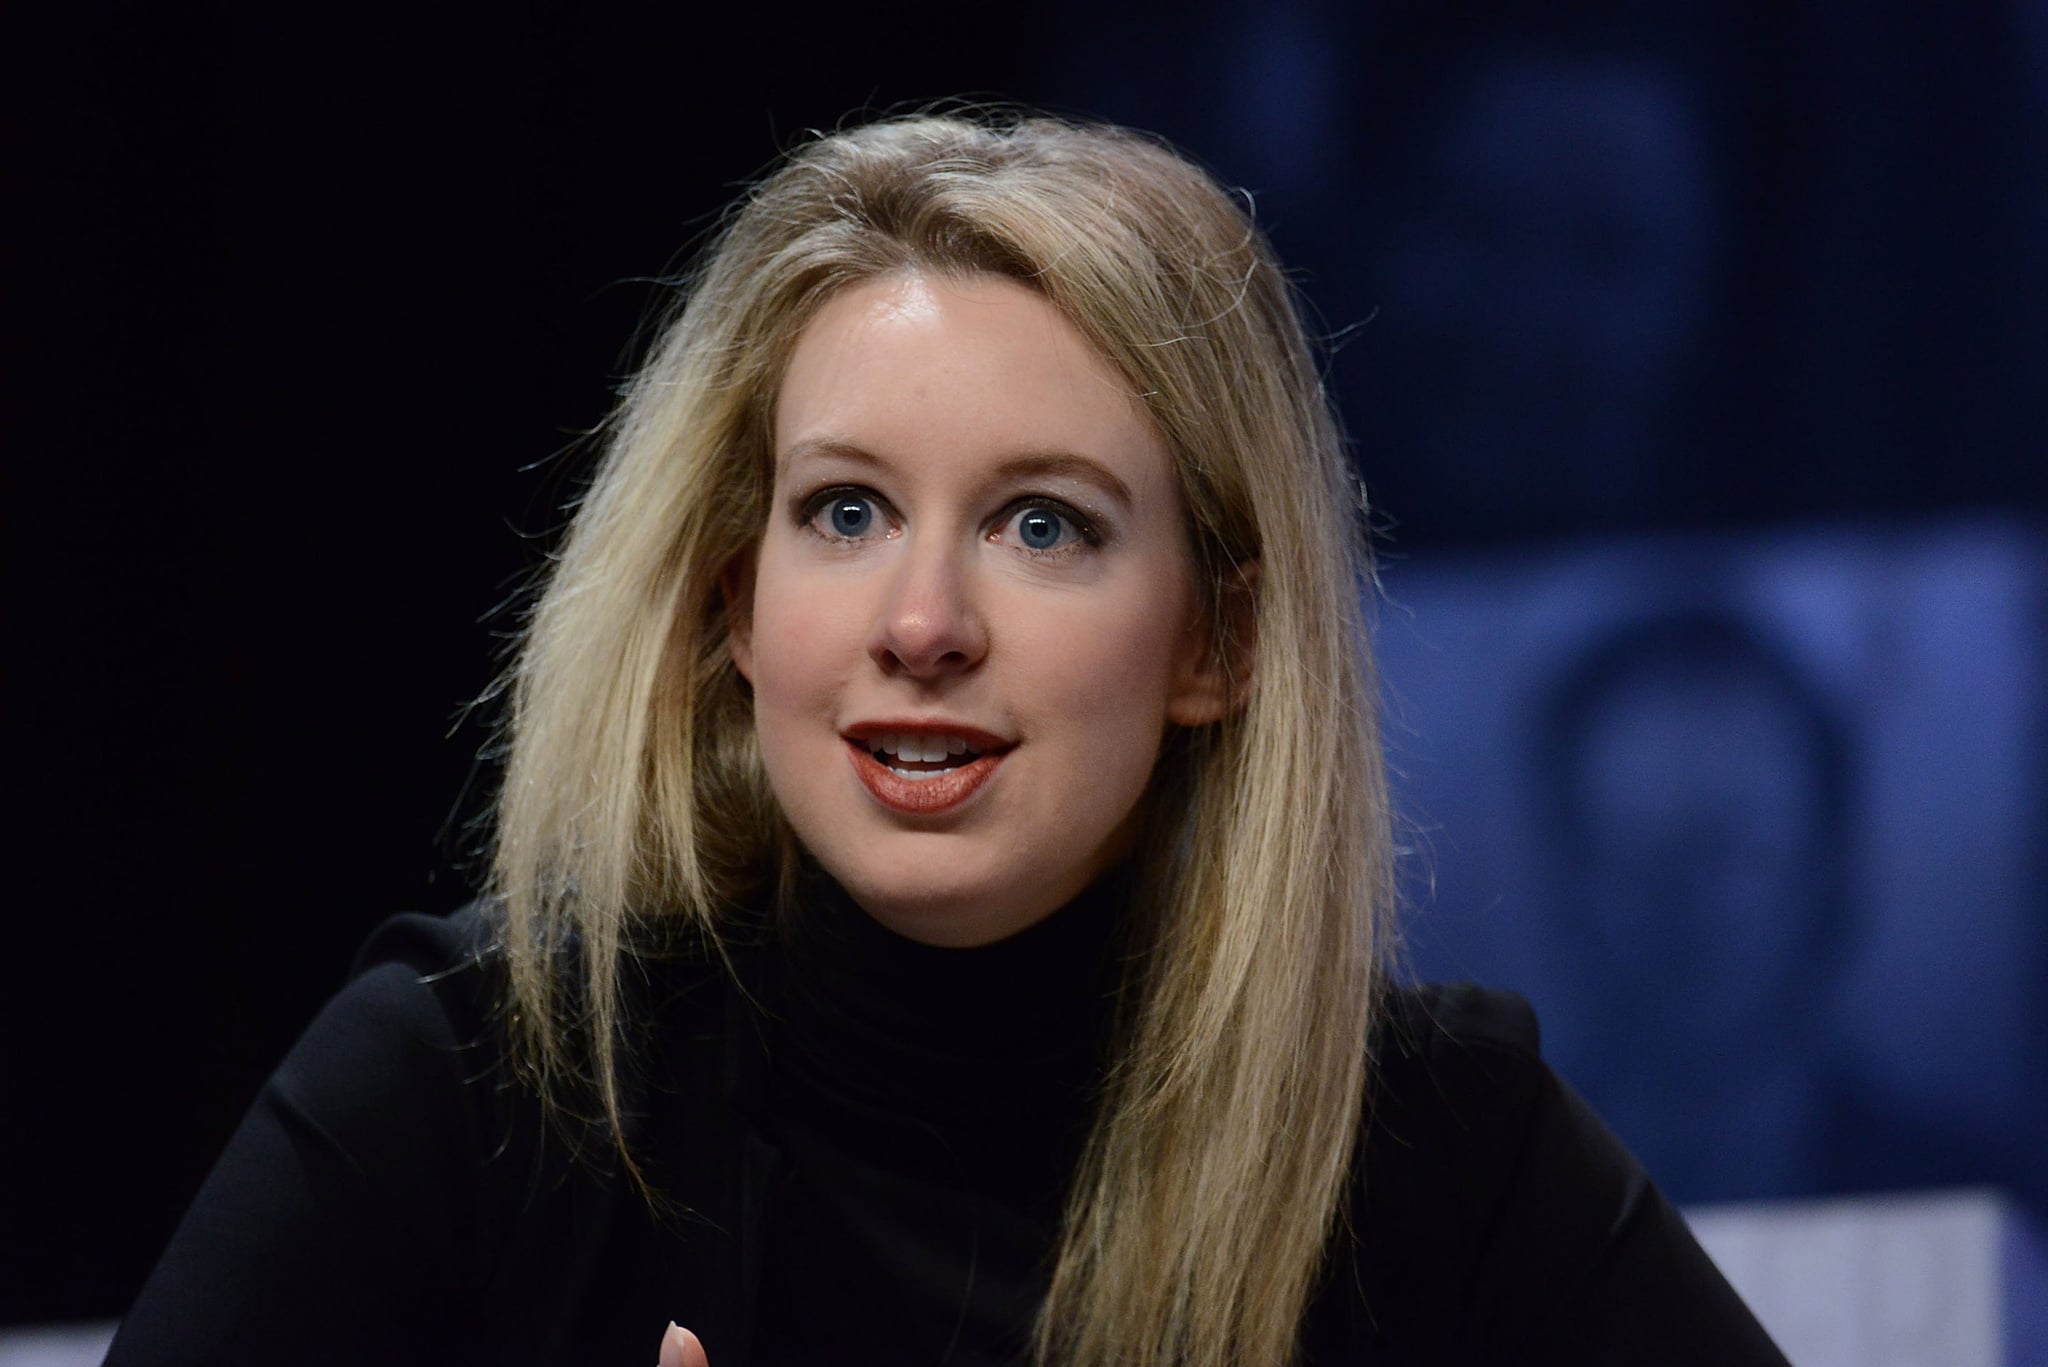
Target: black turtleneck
x=880, y=1181
x=927, y=1106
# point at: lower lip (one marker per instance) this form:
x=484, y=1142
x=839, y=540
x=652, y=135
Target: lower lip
x=942, y=792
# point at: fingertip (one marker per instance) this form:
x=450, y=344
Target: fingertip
x=681, y=1348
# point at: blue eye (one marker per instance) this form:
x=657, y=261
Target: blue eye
x=1039, y=528
x=1047, y=527
x=849, y=517
x=852, y=516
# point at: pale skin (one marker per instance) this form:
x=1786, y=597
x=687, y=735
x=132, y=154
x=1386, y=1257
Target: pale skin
x=680, y=1348
x=975, y=531
x=975, y=534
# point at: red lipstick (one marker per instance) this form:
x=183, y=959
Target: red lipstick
x=935, y=789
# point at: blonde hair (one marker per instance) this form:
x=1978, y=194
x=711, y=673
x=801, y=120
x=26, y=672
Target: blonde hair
x=1220, y=1158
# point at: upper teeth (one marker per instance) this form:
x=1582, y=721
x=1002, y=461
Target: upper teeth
x=909, y=746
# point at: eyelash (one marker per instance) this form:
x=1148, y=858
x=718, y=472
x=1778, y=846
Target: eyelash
x=813, y=508
x=1086, y=534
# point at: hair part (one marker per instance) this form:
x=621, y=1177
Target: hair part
x=635, y=802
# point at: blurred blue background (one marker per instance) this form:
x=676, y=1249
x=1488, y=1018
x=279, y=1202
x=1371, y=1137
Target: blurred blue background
x=1755, y=819
x=1694, y=359
x=1694, y=356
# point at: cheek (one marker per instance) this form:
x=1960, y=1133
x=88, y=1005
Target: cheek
x=802, y=639
x=1108, y=696
x=1115, y=655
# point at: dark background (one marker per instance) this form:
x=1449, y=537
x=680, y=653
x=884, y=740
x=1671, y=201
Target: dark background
x=306, y=318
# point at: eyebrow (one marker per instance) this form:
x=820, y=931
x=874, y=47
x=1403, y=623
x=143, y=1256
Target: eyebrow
x=1022, y=465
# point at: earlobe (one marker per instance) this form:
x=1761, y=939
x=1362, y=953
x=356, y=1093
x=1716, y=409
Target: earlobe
x=1216, y=676
x=736, y=589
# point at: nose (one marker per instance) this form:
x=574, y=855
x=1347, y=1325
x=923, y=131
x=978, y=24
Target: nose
x=930, y=624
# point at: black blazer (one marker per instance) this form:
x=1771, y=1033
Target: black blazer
x=394, y=1197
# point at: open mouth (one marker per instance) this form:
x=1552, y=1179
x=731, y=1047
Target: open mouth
x=926, y=772
x=918, y=756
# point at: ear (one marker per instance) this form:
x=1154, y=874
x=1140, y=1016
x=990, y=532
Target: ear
x=1215, y=679
x=736, y=588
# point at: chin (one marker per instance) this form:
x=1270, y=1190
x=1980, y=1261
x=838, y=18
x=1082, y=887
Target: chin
x=951, y=909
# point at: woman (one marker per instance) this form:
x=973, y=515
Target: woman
x=942, y=877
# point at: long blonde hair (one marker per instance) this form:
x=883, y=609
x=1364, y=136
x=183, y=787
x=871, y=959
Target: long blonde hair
x=634, y=797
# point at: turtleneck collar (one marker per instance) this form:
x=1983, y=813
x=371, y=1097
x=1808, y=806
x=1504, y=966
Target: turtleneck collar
x=976, y=1066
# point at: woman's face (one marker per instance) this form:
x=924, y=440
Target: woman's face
x=972, y=616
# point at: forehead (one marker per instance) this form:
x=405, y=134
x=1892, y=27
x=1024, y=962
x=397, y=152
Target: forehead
x=918, y=363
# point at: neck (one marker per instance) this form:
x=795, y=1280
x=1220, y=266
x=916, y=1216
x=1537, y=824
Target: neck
x=977, y=1060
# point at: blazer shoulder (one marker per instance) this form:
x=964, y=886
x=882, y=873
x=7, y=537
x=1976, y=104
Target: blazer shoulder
x=462, y=954
x=430, y=942
x=1431, y=1018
